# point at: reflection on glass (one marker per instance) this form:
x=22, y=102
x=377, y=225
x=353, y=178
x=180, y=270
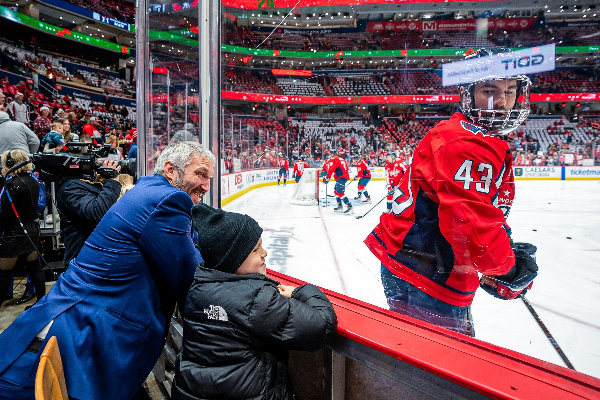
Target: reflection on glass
x=173, y=32
x=304, y=82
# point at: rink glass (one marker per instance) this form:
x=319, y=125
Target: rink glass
x=403, y=46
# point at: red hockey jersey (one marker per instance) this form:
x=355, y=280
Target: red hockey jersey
x=363, y=169
x=282, y=162
x=338, y=168
x=299, y=166
x=394, y=172
x=448, y=218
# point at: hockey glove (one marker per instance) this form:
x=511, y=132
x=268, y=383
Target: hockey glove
x=528, y=247
x=325, y=180
x=518, y=280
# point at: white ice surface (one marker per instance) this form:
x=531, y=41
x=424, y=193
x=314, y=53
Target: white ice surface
x=562, y=218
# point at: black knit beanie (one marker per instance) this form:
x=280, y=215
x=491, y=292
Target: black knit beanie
x=225, y=239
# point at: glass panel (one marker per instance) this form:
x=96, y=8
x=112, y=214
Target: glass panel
x=174, y=60
x=374, y=79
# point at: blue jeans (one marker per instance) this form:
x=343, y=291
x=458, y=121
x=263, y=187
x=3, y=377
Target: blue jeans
x=407, y=299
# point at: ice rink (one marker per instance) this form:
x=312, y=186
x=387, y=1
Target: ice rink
x=562, y=218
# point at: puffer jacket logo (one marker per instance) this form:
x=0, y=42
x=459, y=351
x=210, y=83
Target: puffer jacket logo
x=216, y=312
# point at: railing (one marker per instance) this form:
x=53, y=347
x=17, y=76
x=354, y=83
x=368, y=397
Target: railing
x=379, y=354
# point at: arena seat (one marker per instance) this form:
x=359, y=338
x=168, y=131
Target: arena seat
x=50, y=377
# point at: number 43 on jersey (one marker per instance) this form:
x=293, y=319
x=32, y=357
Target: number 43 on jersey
x=483, y=173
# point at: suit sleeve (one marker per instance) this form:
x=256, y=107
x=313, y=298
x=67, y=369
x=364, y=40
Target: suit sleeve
x=463, y=179
x=166, y=240
x=305, y=322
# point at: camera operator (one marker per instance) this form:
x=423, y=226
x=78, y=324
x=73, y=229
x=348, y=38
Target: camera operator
x=81, y=205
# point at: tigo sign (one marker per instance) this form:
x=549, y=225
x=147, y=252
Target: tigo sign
x=504, y=65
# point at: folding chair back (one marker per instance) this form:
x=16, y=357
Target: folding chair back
x=50, y=377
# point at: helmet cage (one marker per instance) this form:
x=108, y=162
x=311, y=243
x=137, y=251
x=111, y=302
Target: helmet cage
x=498, y=122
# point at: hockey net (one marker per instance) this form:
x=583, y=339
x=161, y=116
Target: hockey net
x=307, y=189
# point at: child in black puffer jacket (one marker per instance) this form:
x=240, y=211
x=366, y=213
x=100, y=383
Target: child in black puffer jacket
x=238, y=323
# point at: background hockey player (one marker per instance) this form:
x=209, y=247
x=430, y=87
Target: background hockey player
x=339, y=171
x=327, y=160
x=394, y=171
x=448, y=219
x=299, y=166
x=364, y=176
x=283, y=165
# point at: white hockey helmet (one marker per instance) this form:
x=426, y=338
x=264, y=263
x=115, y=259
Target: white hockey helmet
x=497, y=121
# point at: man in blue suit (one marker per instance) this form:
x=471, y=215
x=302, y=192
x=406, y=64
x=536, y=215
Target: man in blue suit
x=110, y=311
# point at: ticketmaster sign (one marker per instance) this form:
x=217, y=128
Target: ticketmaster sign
x=520, y=62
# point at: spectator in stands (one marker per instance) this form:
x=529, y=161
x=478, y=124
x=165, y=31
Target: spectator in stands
x=3, y=105
x=238, y=323
x=60, y=113
x=133, y=148
x=19, y=109
x=15, y=135
x=42, y=124
x=85, y=119
x=20, y=238
x=430, y=245
x=67, y=133
x=114, y=144
x=54, y=140
x=120, y=291
x=91, y=129
x=72, y=117
x=124, y=112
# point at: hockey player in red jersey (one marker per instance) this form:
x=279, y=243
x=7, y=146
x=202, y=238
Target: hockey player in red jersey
x=364, y=176
x=339, y=170
x=448, y=217
x=394, y=171
x=283, y=165
x=299, y=166
x=327, y=163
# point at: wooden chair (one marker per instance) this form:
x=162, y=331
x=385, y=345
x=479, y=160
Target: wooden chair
x=50, y=377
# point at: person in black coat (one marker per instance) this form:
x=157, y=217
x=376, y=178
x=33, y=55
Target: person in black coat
x=81, y=205
x=239, y=324
x=20, y=237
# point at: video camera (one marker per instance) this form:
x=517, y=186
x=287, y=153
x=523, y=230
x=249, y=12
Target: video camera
x=54, y=167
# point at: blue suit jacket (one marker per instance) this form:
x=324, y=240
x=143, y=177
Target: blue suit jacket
x=112, y=307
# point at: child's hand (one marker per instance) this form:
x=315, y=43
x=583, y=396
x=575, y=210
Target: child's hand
x=286, y=291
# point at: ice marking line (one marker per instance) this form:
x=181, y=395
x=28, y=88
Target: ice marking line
x=335, y=261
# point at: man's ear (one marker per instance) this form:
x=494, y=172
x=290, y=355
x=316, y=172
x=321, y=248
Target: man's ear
x=170, y=171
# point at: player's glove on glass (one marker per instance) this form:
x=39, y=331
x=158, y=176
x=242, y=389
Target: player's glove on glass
x=518, y=280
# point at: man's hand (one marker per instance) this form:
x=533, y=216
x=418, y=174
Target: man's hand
x=518, y=280
x=110, y=169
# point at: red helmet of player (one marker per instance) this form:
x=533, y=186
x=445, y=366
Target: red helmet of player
x=341, y=152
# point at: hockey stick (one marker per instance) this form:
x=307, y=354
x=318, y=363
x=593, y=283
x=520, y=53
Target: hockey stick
x=386, y=195
x=547, y=332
